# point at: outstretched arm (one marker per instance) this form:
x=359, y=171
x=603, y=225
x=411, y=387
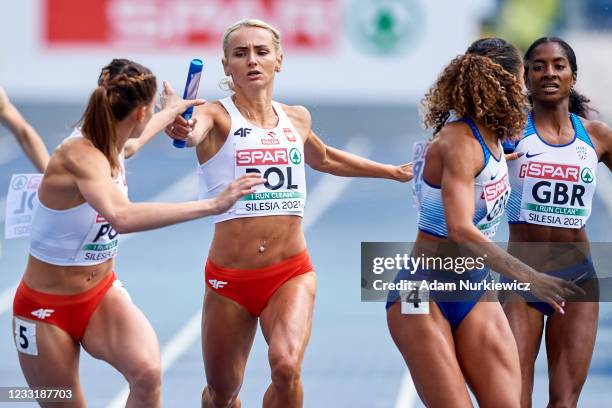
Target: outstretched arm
x=459, y=166
x=171, y=107
x=91, y=172
x=334, y=161
x=28, y=138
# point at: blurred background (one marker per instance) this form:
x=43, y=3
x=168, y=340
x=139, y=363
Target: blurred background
x=361, y=68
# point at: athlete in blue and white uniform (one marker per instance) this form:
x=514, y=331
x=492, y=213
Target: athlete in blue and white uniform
x=463, y=341
x=553, y=183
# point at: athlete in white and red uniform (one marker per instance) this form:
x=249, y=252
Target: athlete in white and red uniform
x=69, y=295
x=258, y=268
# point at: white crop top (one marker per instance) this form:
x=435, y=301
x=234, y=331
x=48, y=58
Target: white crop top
x=75, y=236
x=553, y=185
x=277, y=154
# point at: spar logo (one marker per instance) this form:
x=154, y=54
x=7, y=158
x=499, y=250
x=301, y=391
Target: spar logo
x=494, y=190
x=587, y=175
x=553, y=171
x=558, y=184
x=261, y=157
x=295, y=156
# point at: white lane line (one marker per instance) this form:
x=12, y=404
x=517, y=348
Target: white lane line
x=6, y=298
x=330, y=188
x=322, y=196
x=182, y=190
x=407, y=393
x=170, y=353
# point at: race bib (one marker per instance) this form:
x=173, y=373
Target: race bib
x=419, y=151
x=557, y=195
x=19, y=204
x=414, y=301
x=25, y=337
x=101, y=243
x=495, y=195
x=285, y=188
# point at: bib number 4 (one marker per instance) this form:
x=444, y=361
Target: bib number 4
x=415, y=301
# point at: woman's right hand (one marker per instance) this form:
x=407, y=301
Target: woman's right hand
x=235, y=191
x=182, y=129
x=553, y=290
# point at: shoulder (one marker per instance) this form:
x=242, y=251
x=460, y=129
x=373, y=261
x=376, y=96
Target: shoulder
x=600, y=134
x=79, y=157
x=213, y=109
x=299, y=115
x=456, y=136
x=596, y=128
x=457, y=147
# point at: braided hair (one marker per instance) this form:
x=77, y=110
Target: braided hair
x=123, y=86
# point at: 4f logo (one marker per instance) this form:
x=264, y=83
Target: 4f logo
x=217, y=284
x=242, y=132
x=43, y=313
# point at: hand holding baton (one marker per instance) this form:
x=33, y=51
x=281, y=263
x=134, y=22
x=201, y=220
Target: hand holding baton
x=191, y=92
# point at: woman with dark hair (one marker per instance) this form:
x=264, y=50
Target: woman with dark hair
x=69, y=295
x=553, y=183
x=452, y=338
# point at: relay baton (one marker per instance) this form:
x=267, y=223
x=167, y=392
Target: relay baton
x=191, y=92
x=509, y=146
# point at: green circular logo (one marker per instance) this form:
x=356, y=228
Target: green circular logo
x=587, y=175
x=295, y=156
x=384, y=27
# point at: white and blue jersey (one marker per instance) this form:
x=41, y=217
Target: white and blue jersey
x=491, y=191
x=553, y=185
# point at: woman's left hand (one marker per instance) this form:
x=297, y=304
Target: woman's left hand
x=513, y=156
x=168, y=99
x=403, y=173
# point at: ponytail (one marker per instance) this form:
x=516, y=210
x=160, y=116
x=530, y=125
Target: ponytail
x=123, y=86
x=579, y=104
x=98, y=125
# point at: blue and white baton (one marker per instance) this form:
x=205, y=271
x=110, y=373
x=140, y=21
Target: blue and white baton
x=191, y=92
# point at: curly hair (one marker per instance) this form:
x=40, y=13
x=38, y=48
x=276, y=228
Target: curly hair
x=482, y=84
